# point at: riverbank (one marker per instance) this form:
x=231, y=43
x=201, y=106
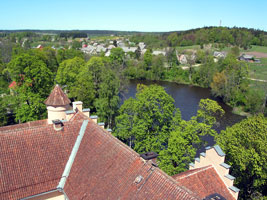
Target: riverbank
x=235, y=110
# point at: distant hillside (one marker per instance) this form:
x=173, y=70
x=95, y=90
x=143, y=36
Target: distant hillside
x=242, y=37
x=89, y=32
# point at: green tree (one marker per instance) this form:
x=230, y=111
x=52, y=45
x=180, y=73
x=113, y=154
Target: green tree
x=96, y=66
x=76, y=45
x=204, y=75
x=186, y=137
x=145, y=121
x=245, y=146
x=68, y=71
x=83, y=88
x=3, y=112
x=173, y=39
x=157, y=67
x=34, y=81
x=108, y=99
x=148, y=58
x=235, y=51
x=117, y=55
x=231, y=83
x=64, y=54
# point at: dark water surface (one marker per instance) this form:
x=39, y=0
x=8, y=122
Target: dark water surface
x=187, y=99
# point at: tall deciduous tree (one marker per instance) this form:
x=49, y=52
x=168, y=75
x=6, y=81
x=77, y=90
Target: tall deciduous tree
x=34, y=81
x=107, y=103
x=231, y=83
x=117, y=55
x=245, y=146
x=96, y=66
x=83, y=88
x=145, y=122
x=185, y=137
x=68, y=71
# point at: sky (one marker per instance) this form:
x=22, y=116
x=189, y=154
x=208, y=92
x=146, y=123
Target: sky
x=131, y=15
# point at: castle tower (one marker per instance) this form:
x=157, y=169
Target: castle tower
x=57, y=104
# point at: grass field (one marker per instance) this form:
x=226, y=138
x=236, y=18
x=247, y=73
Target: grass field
x=196, y=47
x=258, y=49
x=258, y=70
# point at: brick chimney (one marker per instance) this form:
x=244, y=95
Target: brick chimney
x=215, y=156
x=57, y=103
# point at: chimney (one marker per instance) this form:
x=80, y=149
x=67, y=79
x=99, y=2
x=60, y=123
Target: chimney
x=150, y=156
x=57, y=104
x=78, y=105
x=57, y=124
x=94, y=118
x=215, y=156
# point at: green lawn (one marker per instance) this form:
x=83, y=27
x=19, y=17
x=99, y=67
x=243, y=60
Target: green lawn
x=258, y=49
x=258, y=70
x=196, y=47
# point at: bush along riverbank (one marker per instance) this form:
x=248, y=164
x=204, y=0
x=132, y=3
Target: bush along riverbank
x=227, y=78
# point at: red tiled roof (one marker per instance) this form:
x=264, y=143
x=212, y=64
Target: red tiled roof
x=204, y=181
x=13, y=84
x=33, y=158
x=24, y=125
x=57, y=98
x=105, y=168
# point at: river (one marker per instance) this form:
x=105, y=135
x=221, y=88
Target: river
x=187, y=99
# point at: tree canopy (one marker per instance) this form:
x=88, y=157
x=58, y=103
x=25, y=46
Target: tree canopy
x=144, y=122
x=186, y=137
x=245, y=146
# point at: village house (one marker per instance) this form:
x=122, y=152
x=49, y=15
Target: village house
x=219, y=54
x=71, y=156
x=248, y=58
x=159, y=52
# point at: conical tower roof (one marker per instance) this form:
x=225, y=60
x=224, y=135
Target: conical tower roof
x=57, y=98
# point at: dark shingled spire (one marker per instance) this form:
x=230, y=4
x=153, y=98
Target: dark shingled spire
x=57, y=98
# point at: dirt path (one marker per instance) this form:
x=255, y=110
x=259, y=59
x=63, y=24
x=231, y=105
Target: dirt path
x=256, y=54
x=253, y=79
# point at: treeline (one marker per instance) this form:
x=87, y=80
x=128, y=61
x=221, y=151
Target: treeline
x=73, y=35
x=88, y=32
x=34, y=72
x=241, y=37
x=228, y=78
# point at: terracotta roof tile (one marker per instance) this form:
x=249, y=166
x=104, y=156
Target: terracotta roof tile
x=13, y=84
x=32, y=159
x=204, y=181
x=57, y=98
x=105, y=168
x=24, y=125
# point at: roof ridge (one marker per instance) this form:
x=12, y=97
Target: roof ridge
x=25, y=125
x=72, y=155
x=19, y=129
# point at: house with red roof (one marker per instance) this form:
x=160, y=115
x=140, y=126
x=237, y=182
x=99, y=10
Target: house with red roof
x=72, y=157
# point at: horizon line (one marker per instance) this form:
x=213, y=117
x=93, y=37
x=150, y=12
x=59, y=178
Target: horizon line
x=29, y=29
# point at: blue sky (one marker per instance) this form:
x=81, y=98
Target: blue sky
x=133, y=15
